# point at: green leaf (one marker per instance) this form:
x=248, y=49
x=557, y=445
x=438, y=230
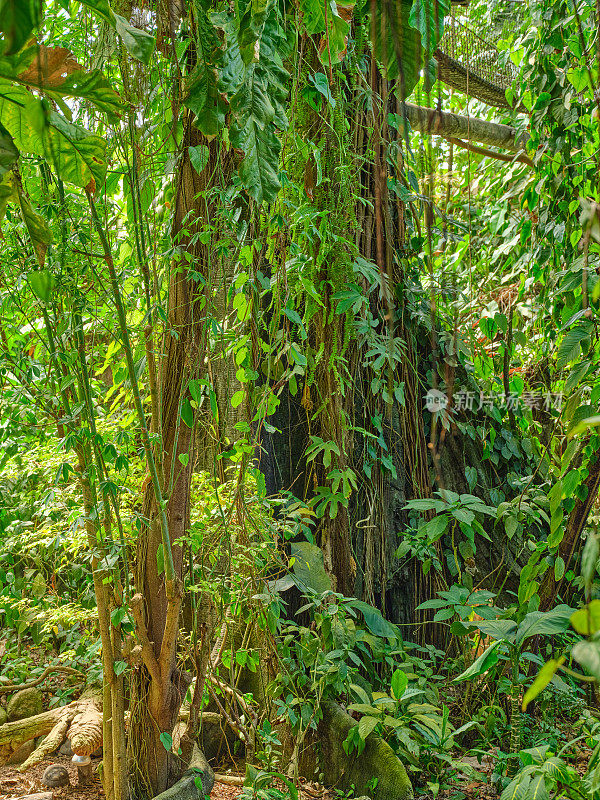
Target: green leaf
x=586, y=620
x=42, y=282
x=404, y=36
x=139, y=44
x=323, y=15
x=485, y=661
x=119, y=667
x=38, y=587
x=399, y=683
x=542, y=680
x=308, y=568
x=544, y=623
x=204, y=99
x=375, y=622
x=167, y=740
x=9, y=155
x=587, y=653
x=187, y=413
x=429, y=604
x=427, y=17
x=534, y=755
x=366, y=726
x=517, y=789
x=568, y=349
x=199, y=157
x=559, y=568
x=238, y=398
x=253, y=78
x=77, y=156
x=538, y=789
x=499, y=629
x=18, y=18
x=201, y=93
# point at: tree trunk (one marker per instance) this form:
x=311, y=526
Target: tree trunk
x=155, y=713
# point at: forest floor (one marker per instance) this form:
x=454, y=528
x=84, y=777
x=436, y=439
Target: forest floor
x=15, y=784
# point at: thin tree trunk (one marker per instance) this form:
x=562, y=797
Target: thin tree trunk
x=182, y=360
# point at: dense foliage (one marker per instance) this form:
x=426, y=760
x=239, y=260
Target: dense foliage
x=299, y=394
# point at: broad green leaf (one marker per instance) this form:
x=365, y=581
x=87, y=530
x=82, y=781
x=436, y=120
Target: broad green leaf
x=167, y=740
x=138, y=43
x=38, y=587
x=374, y=620
x=204, y=99
x=427, y=17
x=587, y=653
x=199, y=157
x=253, y=78
x=399, y=683
x=556, y=768
x=9, y=154
x=77, y=156
x=405, y=35
x=534, y=755
x=544, y=623
x=42, y=282
x=568, y=349
x=308, y=568
x=517, y=789
x=366, y=726
x=187, y=413
x=586, y=620
x=538, y=789
x=499, y=629
x=202, y=95
x=55, y=72
x=397, y=46
x=37, y=227
x=430, y=604
x=542, y=680
x=18, y=18
x=581, y=427
x=485, y=661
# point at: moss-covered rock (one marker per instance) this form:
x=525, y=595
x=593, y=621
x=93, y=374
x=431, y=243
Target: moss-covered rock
x=24, y=704
x=376, y=772
x=22, y=753
x=3, y=715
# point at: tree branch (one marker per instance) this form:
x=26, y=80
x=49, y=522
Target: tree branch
x=443, y=123
x=521, y=159
x=148, y=657
x=16, y=687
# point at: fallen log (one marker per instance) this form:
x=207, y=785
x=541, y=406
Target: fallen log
x=80, y=721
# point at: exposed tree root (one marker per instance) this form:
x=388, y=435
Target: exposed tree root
x=81, y=721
